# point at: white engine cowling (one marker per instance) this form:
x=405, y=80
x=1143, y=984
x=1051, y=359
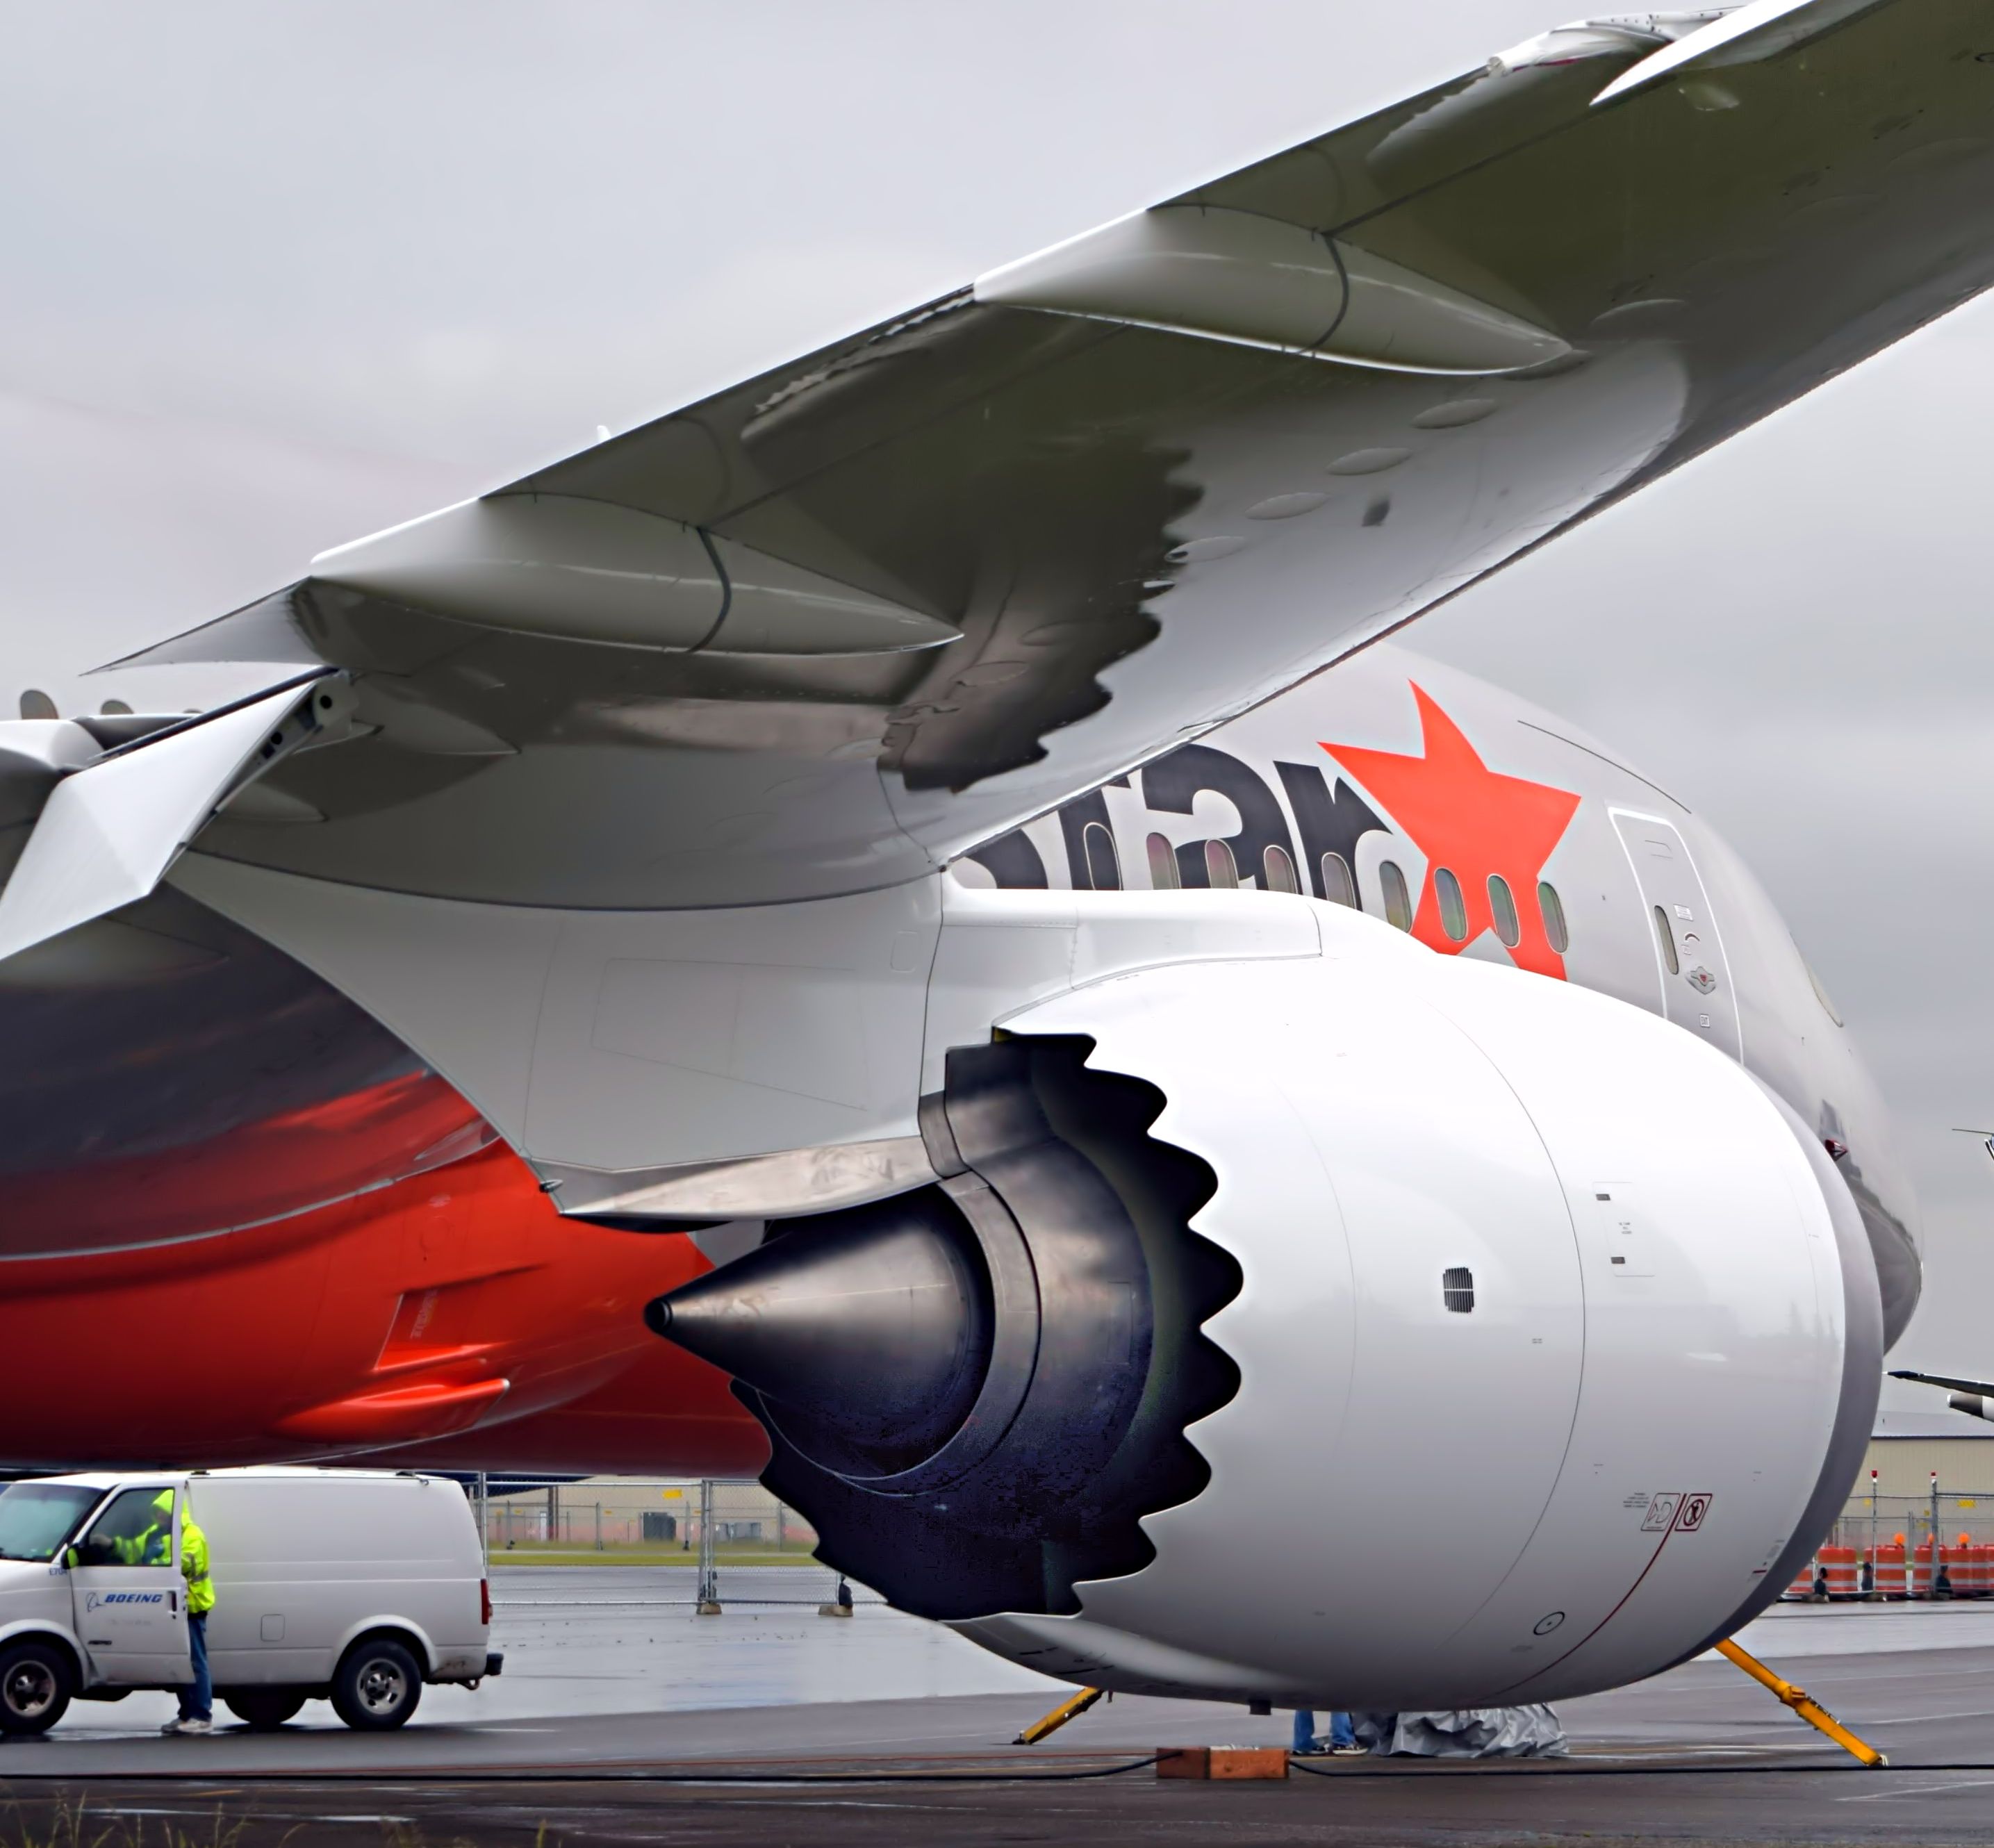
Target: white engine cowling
x=1557, y=1341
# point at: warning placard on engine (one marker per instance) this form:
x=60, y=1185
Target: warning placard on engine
x=1661, y=1513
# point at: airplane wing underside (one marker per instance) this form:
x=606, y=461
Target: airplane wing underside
x=820, y=633
x=1974, y=1388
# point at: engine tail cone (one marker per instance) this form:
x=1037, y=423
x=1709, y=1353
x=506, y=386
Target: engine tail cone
x=871, y=1328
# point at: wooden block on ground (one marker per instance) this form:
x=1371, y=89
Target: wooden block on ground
x=1249, y=1761
x=1226, y=1761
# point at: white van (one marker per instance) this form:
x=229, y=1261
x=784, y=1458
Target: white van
x=354, y=1586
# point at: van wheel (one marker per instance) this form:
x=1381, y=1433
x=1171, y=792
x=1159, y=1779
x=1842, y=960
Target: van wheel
x=376, y=1685
x=264, y=1709
x=34, y=1687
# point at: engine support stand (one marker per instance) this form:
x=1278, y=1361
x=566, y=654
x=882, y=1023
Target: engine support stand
x=1814, y=1713
x=1051, y=1724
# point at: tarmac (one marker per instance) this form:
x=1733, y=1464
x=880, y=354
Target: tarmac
x=624, y=1718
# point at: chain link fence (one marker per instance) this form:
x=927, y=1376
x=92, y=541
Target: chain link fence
x=1936, y=1546
x=726, y=1542
x=1963, y=1516
x=719, y=1541
x=637, y=1520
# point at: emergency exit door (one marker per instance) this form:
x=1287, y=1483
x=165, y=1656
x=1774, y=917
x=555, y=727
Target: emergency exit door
x=130, y=1602
x=1696, y=990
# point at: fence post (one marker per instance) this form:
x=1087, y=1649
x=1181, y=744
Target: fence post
x=1941, y=1583
x=709, y=1579
x=598, y=1527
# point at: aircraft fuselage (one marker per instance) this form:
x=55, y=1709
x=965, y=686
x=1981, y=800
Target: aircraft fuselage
x=244, y=1224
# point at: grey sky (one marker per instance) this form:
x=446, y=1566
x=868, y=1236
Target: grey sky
x=276, y=276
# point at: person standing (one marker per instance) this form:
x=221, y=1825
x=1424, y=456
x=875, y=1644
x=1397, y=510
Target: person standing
x=197, y=1713
x=152, y=1544
x=1342, y=1738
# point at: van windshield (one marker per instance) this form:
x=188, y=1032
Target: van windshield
x=37, y=1518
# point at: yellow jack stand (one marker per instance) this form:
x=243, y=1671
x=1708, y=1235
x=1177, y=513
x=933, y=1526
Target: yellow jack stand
x=1066, y=1710
x=1814, y=1714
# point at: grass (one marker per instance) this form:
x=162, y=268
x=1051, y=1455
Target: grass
x=72, y=1826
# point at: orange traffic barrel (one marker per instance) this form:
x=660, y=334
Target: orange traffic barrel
x=1838, y=1567
x=1891, y=1572
x=1921, y=1568
x=1965, y=1566
x=1805, y=1586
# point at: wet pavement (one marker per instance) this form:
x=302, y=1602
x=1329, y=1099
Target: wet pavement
x=622, y=1716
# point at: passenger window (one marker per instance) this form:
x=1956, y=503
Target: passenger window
x=137, y=1529
x=1398, y=901
x=1453, y=911
x=1337, y=885
x=1221, y=870
x=1552, y=908
x=1503, y=909
x=1278, y=871
x=1103, y=868
x=1163, y=863
x=1666, y=937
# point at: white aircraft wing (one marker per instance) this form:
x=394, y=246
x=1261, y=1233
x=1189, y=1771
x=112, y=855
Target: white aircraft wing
x=1974, y=1388
x=820, y=632
x=112, y=820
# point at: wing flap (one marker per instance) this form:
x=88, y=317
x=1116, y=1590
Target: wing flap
x=1759, y=30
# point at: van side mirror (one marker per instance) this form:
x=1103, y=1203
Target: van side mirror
x=70, y=1557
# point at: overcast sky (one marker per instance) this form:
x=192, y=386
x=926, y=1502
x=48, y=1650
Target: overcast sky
x=277, y=276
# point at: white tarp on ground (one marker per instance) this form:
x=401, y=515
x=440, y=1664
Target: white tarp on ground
x=1468, y=1733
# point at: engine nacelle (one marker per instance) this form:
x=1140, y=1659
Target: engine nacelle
x=1376, y=1330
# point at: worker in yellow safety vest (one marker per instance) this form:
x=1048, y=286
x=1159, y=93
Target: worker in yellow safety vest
x=197, y=1713
x=153, y=1543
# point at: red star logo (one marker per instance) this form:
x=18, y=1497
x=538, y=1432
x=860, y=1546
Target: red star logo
x=1474, y=823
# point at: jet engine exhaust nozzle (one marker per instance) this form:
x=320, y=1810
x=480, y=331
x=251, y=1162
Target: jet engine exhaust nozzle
x=868, y=1334
x=969, y=1389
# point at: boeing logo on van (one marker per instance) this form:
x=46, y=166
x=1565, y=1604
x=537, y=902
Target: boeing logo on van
x=96, y=1598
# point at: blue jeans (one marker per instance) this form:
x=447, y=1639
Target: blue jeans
x=197, y=1701
x=1340, y=1730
